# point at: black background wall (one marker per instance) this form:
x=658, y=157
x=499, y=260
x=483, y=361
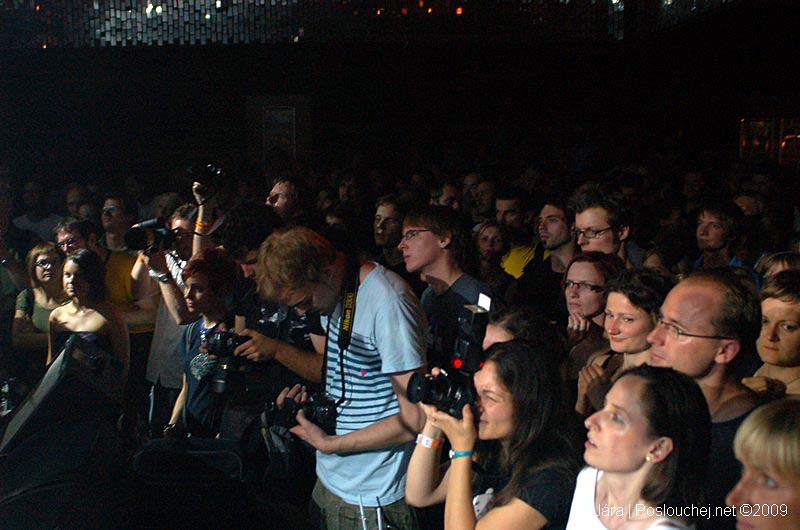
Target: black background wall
x=85, y=112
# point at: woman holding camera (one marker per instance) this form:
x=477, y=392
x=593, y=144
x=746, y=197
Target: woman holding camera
x=209, y=277
x=647, y=451
x=514, y=464
x=87, y=313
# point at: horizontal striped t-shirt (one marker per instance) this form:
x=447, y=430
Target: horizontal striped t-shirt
x=388, y=337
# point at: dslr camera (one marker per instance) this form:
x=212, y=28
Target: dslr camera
x=229, y=374
x=319, y=409
x=149, y=234
x=453, y=389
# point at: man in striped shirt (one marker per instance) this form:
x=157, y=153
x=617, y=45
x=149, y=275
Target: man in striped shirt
x=363, y=465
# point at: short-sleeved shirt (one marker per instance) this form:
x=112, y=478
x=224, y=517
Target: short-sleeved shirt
x=548, y=491
x=388, y=337
x=119, y=286
x=40, y=316
x=164, y=362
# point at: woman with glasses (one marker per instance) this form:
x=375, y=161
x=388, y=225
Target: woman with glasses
x=34, y=305
x=88, y=314
x=585, y=294
x=633, y=302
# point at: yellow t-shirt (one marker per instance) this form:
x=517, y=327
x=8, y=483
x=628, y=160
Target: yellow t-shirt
x=514, y=262
x=119, y=286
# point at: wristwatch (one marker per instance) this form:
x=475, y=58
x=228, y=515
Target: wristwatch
x=163, y=277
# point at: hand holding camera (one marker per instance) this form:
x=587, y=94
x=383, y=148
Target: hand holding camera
x=447, y=401
x=256, y=346
x=310, y=418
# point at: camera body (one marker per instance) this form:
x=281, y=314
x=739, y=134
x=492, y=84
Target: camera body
x=447, y=392
x=450, y=391
x=149, y=234
x=468, y=351
x=319, y=410
x=211, y=176
x=230, y=368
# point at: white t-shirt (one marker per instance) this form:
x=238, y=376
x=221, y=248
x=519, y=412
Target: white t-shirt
x=583, y=514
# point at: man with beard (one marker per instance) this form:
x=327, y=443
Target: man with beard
x=512, y=211
x=539, y=287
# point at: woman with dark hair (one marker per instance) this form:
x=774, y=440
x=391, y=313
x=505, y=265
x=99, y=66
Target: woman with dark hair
x=31, y=325
x=209, y=277
x=633, y=302
x=646, y=453
x=585, y=293
x=87, y=313
x=515, y=470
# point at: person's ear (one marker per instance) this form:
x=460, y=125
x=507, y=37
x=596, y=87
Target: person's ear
x=444, y=241
x=623, y=233
x=659, y=450
x=728, y=351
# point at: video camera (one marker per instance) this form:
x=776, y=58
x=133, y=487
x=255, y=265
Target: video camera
x=453, y=389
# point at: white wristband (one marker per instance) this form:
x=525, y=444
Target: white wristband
x=427, y=441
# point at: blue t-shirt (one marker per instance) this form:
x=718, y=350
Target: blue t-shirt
x=388, y=337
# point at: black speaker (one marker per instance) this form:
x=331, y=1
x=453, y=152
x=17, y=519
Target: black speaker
x=82, y=383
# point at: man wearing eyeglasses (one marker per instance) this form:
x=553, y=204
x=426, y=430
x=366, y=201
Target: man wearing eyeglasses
x=602, y=224
x=708, y=329
x=434, y=246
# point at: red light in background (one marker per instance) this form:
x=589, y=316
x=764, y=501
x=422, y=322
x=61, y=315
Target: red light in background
x=430, y=10
x=457, y=363
x=38, y=8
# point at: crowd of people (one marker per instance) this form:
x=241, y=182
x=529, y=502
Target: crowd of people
x=655, y=321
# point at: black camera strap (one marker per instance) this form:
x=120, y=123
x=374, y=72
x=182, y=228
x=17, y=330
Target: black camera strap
x=346, y=321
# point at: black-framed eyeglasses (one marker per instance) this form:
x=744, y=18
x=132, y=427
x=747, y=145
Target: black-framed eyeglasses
x=583, y=286
x=47, y=263
x=680, y=335
x=411, y=234
x=590, y=233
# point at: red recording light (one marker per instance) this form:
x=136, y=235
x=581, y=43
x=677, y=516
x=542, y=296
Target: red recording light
x=457, y=363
